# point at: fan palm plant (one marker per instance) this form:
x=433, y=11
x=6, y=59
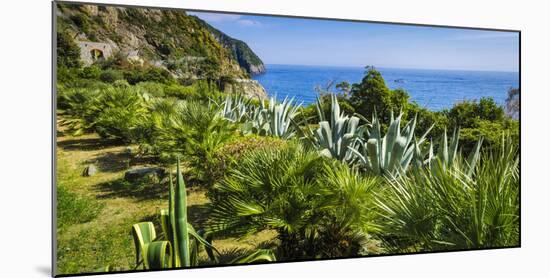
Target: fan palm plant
x=317, y=208
x=452, y=207
x=81, y=110
x=112, y=112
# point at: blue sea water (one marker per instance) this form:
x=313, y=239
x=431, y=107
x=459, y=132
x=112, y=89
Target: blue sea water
x=433, y=89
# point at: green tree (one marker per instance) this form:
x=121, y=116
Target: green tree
x=68, y=52
x=466, y=114
x=344, y=87
x=372, y=95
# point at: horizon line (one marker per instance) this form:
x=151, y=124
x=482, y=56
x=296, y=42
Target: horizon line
x=392, y=67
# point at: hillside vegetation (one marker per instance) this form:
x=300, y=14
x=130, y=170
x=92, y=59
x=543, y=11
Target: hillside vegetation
x=185, y=46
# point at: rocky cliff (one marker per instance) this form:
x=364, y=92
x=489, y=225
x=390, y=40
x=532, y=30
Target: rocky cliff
x=184, y=45
x=240, y=51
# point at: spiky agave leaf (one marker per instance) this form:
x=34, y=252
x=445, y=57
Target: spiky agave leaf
x=143, y=233
x=336, y=137
x=390, y=154
x=180, y=224
x=261, y=255
x=158, y=255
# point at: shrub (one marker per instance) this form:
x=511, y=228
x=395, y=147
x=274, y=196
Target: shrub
x=466, y=114
x=122, y=110
x=206, y=133
x=274, y=119
x=441, y=208
x=180, y=92
x=190, y=128
x=67, y=75
x=338, y=134
x=230, y=154
x=110, y=76
x=491, y=132
x=90, y=72
x=80, y=109
x=153, y=74
x=68, y=52
x=81, y=21
x=308, y=199
x=112, y=112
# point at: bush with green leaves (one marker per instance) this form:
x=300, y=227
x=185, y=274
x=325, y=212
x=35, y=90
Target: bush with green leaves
x=122, y=110
x=144, y=74
x=191, y=128
x=68, y=52
x=306, y=198
x=236, y=108
x=152, y=89
x=111, y=75
x=181, y=92
x=465, y=114
x=445, y=208
x=491, y=132
x=229, y=155
x=79, y=109
x=112, y=112
x=90, y=72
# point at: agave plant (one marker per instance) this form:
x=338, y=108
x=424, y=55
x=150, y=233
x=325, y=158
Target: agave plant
x=235, y=108
x=448, y=153
x=392, y=153
x=275, y=119
x=449, y=207
x=337, y=138
x=179, y=247
x=180, y=243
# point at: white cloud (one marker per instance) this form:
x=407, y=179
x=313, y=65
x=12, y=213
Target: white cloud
x=215, y=17
x=249, y=23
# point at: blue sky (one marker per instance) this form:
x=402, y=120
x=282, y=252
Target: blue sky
x=295, y=41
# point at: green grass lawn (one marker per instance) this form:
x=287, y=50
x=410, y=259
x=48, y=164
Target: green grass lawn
x=95, y=214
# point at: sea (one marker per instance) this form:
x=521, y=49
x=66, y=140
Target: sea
x=433, y=89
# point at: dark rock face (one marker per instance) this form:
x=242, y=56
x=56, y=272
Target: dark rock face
x=89, y=171
x=150, y=174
